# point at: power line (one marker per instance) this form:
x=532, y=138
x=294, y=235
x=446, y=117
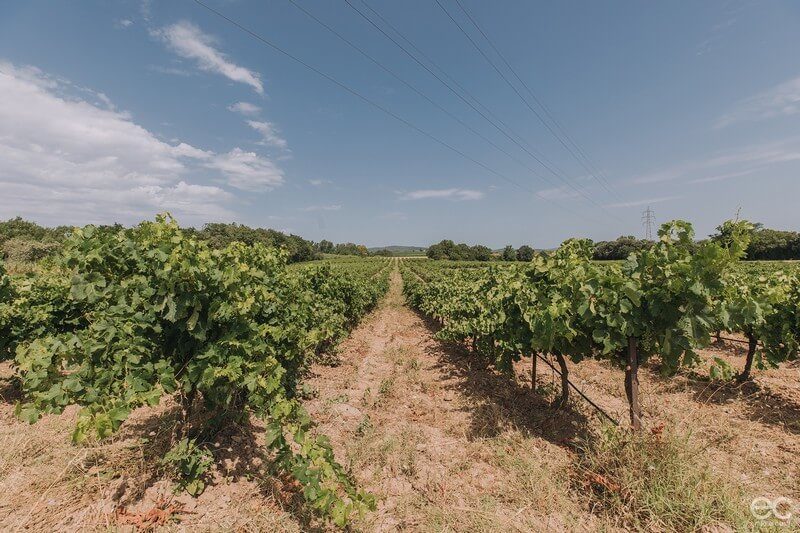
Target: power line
x=415, y=89
x=519, y=139
x=374, y=104
x=539, y=102
x=521, y=97
x=420, y=93
x=443, y=72
x=538, y=157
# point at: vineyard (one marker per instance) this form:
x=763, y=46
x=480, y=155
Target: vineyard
x=124, y=318
x=457, y=415
x=666, y=302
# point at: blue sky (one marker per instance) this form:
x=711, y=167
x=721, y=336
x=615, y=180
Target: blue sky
x=117, y=110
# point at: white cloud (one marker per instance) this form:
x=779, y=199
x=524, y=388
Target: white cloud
x=319, y=182
x=449, y=194
x=781, y=100
x=245, y=108
x=722, y=177
x=145, y=8
x=188, y=41
x=47, y=137
x=173, y=71
x=646, y=201
x=247, y=170
x=269, y=134
x=321, y=208
x=728, y=163
x=190, y=204
x=123, y=23
x=67, y=159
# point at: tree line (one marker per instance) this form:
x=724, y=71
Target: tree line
x=23, y=240
x=765, y=244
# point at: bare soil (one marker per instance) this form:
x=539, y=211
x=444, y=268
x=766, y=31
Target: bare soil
x=445, y=445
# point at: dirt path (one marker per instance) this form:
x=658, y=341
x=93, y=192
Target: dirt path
x=443, y=446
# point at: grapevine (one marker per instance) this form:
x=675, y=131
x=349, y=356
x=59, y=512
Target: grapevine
x=150, y=312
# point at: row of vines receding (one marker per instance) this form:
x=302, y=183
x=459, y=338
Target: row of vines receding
x=665, y=301
x=125, y=317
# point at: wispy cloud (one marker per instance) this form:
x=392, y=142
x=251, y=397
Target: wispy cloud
x=448, y=194
x=645, y=201
x=781, y=100
x=321, y=208
x=247, y=170
x=188, y=41
x=558, y=193
x=728, y=163
x=173, y=71
x=729, y=18
x=269, y=134
x=717, y=32
x=123, y=23
x=145, y=8
x=319, y=182
x=245, y=108
x=723, y=177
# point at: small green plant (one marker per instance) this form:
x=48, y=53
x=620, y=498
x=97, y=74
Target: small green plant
x=364, y=426
x=189, y=464
x=386, y=387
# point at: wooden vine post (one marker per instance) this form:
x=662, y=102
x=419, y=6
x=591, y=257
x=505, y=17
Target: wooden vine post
x=632, y=384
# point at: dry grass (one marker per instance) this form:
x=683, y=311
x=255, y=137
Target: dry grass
x=657, y=481
x=49, y=484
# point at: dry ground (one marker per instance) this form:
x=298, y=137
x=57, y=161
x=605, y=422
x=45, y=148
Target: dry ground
x=444, y=443
x=444, y=446
x=750, y=432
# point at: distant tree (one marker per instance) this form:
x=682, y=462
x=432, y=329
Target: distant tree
x=765, y=243
x=481, y=253
x=509, y=254
x=447, y=249
x=620, y=248
x=774, y=244
x=444, y=249
x=325, y=247
x=525, y=253
x=463, y=252
x=383, y=252
x=220, y=235
x=349, y=248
